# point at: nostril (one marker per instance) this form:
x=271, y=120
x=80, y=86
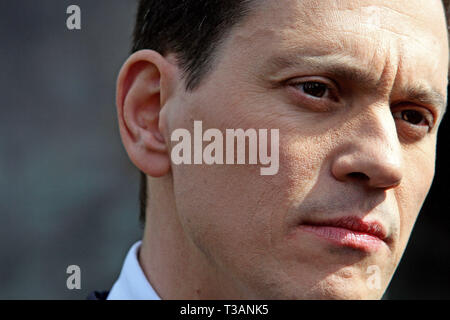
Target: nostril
x=358, y=176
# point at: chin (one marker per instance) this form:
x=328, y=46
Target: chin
x=333, y=288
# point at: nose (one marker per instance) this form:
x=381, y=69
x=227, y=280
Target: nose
x=371, y=154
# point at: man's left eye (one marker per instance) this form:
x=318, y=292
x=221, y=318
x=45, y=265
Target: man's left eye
x=315, y=89
x=412, y=116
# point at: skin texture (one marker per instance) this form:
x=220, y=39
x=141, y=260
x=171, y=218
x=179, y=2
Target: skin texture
x=225, y=231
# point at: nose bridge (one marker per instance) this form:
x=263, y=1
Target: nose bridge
x=377, y=130
x=373, y=151
x=378, y=134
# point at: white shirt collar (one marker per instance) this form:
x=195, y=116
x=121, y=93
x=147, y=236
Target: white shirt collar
x=132, y=283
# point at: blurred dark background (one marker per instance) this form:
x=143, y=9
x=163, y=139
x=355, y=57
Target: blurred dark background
x=68, y=193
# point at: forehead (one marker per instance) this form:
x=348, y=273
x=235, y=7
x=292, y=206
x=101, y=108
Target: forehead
x=408, y=34
x=421, y=21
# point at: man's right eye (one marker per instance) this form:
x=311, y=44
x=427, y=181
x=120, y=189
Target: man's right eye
x=317, y=92
x=315, y=89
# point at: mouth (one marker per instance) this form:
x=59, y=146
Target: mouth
x=352, y=232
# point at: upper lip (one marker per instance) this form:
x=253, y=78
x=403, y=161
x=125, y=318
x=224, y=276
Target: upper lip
x=357, y=224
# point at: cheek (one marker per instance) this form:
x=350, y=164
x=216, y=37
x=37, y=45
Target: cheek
x=417, y=180
x=228, y=212
x=225, y=209
x=301, y=159
x=238, y=217
x=232, y=212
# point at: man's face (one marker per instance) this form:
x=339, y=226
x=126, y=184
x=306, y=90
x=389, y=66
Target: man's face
x=357, y=141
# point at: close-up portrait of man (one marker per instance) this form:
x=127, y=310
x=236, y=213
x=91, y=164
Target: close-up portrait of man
x=222, y=155
x=356, y=90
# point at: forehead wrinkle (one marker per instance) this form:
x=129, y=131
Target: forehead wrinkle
x=337, y=65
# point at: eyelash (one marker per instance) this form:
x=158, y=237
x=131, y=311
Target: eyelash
x=330, y=89
x=429, y=122
x=331, y=93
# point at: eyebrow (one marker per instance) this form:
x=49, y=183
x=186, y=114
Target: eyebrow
x=347, y=68
x=428, y=97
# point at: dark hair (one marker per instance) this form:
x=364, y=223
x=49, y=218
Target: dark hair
x=192, y=30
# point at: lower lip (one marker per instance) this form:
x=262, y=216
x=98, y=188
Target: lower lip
x=345, y=237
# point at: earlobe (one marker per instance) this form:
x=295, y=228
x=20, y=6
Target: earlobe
x=142, y=89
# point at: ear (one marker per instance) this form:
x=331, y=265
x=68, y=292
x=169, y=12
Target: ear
x=143, y=87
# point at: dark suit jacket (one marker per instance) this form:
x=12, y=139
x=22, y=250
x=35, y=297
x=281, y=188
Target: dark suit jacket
x=98, y=295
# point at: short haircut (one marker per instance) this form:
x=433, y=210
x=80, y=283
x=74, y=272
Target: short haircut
x=190, y=29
